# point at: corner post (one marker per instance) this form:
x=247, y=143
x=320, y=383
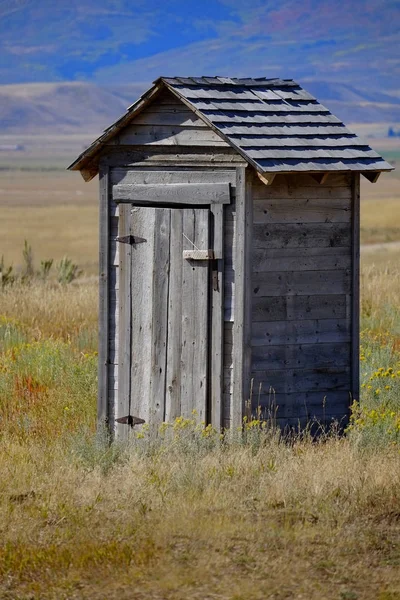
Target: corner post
x=243, y=294
x=355, y=296
x=104, y=231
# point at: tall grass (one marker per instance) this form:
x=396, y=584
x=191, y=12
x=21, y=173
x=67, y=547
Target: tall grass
x=181, y=513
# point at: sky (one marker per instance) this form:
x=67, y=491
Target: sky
x=115, y=41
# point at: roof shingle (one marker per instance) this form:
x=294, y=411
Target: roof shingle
x=273, y=123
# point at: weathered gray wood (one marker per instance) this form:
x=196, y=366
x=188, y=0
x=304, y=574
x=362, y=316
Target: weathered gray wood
x=124, y=324
x=311, y=331
x=102, y=400
x=301, y=235
x=321, y=405
x=143, y=225
x=194, y=355
x=285, y=187
x=217, y=325
x=169, y=135
x=300, y=380
x=300, y=259
x=282, y=127
x=296, y=142
x=125, y=156
x=242, y=306
x=311, y=154
x=153, y=175
x=167, y=115
x=174, y=343
x=173, y=193
x=296, y=356
x=301, y=283
x=355, y=292
x=297, y=308
x=160, y=265
x=198, y=254
x=298, y=210
x=220, y=110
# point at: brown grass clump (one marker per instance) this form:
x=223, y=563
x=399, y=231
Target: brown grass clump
x=180, y=513
x=306, y=520
x=68, y=312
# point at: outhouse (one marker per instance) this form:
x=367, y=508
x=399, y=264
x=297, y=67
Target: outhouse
x=229, y=254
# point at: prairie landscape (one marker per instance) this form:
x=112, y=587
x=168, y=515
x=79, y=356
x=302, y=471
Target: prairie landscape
x=181, y=513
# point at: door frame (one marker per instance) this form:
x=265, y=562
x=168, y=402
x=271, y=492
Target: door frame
x=215, y=204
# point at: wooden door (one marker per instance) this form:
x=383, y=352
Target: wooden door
x=165, y=314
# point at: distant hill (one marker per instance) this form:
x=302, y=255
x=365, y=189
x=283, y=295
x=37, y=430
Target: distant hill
x=72, y=107
x=60, y=107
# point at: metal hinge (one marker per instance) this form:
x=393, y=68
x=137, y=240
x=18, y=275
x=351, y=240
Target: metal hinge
x=130, y=239
x=130, y=420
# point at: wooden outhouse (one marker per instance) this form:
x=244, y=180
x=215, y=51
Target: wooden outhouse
x=229, y=254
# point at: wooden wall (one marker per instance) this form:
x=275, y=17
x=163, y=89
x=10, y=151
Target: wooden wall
x=302, y=290
x=151, y=144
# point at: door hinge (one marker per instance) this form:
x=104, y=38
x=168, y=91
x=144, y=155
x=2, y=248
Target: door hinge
x=130, y=420
x=130, y=239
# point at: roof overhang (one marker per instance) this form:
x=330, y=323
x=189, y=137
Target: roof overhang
x=88, y=161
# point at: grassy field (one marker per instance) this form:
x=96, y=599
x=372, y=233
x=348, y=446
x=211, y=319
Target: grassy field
x=180, y=513
x=183, y=514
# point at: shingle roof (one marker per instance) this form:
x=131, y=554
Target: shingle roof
x=273, y=123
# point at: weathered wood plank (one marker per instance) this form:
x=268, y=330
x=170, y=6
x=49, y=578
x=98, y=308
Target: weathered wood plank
x=301, y=235
x=167, y=115
x=298, y=142
x=297, y=308
x=167, y=135
x=152, y=175
x=302, y=210
x=125, y=156
x=300, y=404
x=143, y=225
x=301, y=283
x=242, y=305
x=224, y=110
x=300, y=185
x=173, y=193
x=355, y=292
x=195, y=277
x=103, y=407
x=299, y=380
x=312, y=331
x=124, y=324
x=296, y=356
x=174, y=348
x=217, y=307
x=299, y=259
x=159, y=319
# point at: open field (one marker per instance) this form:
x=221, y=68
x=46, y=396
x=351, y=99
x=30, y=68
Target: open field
x=56, y=211
x=179, y=513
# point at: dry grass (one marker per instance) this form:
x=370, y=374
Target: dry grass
x=179, y=515
x=307, y=521
x=56, y=212
x=67, y=312
x=380, y=209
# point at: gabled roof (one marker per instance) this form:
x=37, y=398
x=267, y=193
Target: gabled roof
x=273, y=123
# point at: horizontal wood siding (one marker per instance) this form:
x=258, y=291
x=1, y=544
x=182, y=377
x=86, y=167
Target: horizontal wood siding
x=169, y=123
x=301, y=310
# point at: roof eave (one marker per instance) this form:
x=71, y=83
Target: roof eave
x=86, y=158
